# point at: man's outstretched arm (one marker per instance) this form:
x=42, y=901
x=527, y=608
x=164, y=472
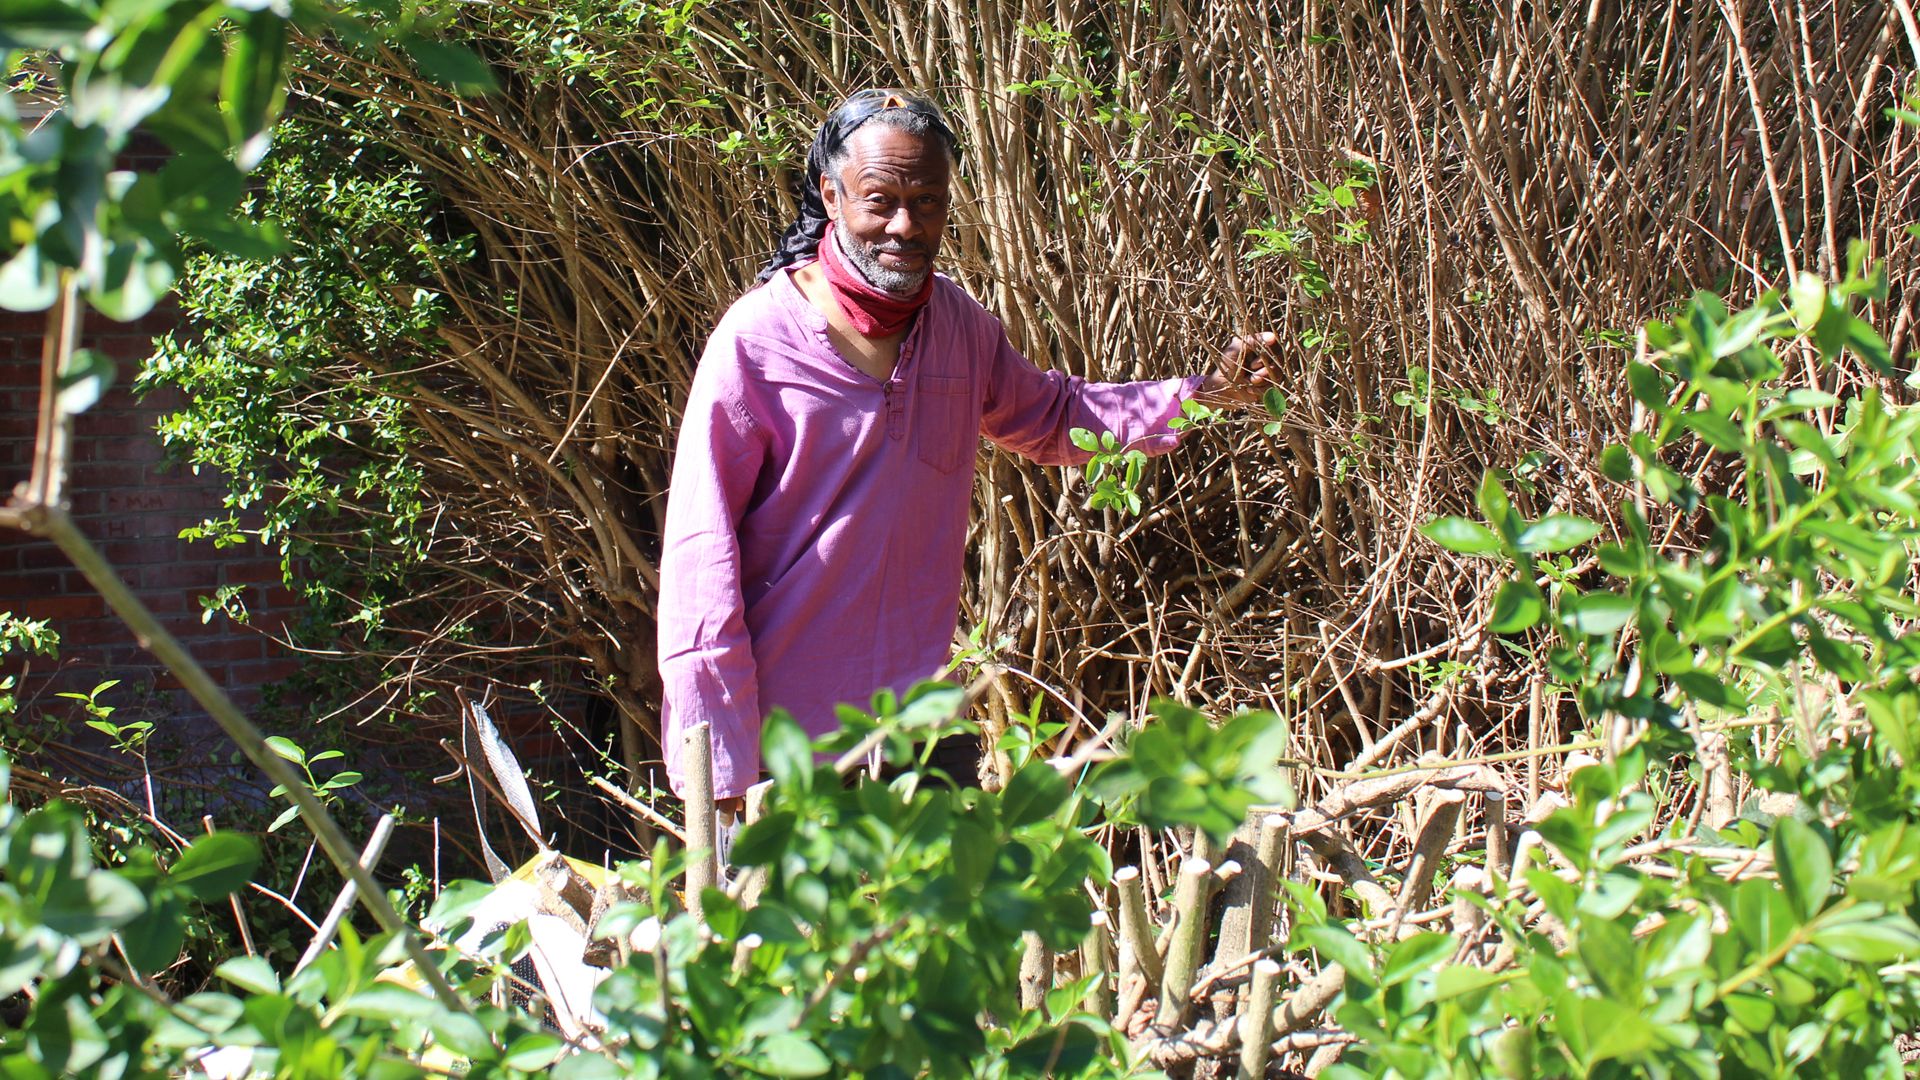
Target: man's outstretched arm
x=1033, y=412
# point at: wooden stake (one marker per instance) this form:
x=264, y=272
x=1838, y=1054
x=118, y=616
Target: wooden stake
x=1443, y=814
x=703, y=863
x=1189, y=934
x=1094, y=965
x=1246, y=923
x=1499, y=842
x=1136, y=929
x=1256, y=1021
x=1036, y=972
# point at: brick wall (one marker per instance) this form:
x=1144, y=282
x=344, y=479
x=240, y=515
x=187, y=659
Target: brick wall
x=132, y=503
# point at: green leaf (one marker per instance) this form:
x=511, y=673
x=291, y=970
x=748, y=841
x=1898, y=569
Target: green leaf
x=253, y=82
x=1033, y=794
x=153, y=941
x=1336, y=944
x=1084, y=439
x=595, y=1067
x=1750, y=1011
x=1420, y=953
x=87, y=376
x=1839, y=657
x=1517, y=607
x=1805, y=866
x=1882, y=940
x=789, y=1055
x=105, y=902
x=453, y=66
x=1599, y=613
x=250, y=973
x=287, y=748
x=1647, y=388
x=28, y=282
x=1616, y=463
x=1716, y=431
x=787, y=751
x=215, y=866
x=1557, y=532
x=1275, y=402
x=386, y=1001
x=1808, y=295
x=1053, y=1052
x=1458, y=980
x=1494, y=507
x=761, y=843
x=134, y=276
x=1461, y=535
x=1896, y=720
x=45, y=24
x=535, y=1051
x=241, y=239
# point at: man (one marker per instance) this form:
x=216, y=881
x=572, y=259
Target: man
x=817, y=519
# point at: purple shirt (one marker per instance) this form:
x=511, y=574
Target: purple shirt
x=817, y=522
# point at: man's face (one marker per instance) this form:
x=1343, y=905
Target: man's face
x=890, y=205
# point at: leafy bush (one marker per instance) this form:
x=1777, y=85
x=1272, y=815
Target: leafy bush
x=1771, y=944
x=893, y=917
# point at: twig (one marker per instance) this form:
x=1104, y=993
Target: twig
x=370, y=855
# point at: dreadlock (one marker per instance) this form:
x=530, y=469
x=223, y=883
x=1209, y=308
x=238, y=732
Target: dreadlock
x=898, y=109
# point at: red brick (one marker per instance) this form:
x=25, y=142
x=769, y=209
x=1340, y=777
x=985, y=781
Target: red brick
x=93, y=632
x=128, y=550
x=86, y=503
x=41, y=555
x=179, y=576
x=125, y=347
x=32, y=583
x=60, y=608
x=131, y=449
x=103, y=422
x=103, y=479
x=20, y=374
x=170, y=601
x=251, y=571
x=262, y=672
x=228, y=649
x=26, y=324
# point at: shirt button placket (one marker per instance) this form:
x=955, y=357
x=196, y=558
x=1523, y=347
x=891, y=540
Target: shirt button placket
x=895, y=392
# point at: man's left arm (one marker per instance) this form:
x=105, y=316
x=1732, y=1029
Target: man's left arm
x=1033, y=413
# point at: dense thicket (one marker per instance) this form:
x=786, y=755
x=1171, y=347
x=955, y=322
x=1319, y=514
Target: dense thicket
x=1455, y=218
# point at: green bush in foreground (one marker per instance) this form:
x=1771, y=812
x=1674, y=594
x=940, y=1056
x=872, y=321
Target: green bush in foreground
x=1770, y=947
x=891, y=921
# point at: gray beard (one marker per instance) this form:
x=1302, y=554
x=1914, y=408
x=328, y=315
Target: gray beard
x=897, y=282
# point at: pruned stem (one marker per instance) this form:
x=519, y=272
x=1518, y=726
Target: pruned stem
x=1189, y=934
x=1256, y=1021
x=703, y=857
x=1137, y=950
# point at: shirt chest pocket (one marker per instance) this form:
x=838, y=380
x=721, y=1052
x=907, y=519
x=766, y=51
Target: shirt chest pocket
x=946, y=431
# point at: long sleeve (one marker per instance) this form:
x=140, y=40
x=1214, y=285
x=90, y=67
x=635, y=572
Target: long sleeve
x=1033, y=412
x=707, y=667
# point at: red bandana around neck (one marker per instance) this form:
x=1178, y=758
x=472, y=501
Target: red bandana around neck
x=873, y=312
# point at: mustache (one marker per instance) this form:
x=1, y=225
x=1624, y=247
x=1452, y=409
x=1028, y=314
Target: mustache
x=899, y=249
